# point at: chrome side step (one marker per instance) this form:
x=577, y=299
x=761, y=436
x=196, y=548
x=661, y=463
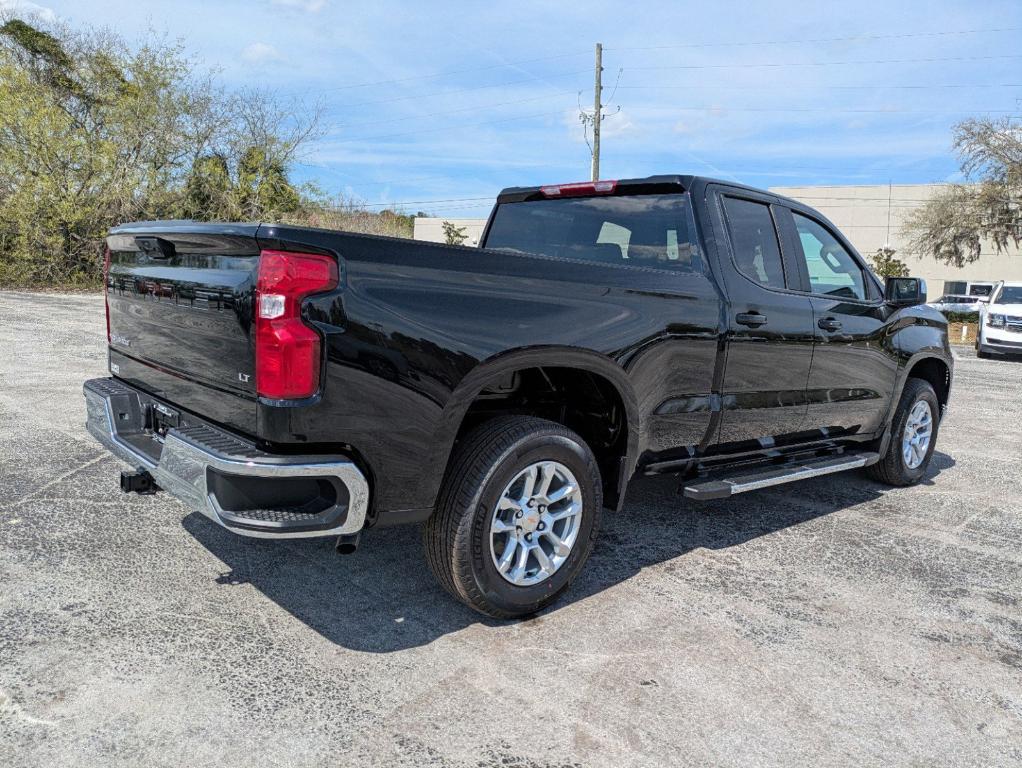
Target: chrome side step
x=777, y=475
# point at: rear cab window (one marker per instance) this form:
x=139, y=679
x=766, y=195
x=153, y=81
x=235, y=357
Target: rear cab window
x=651, y=230
x=755, y=247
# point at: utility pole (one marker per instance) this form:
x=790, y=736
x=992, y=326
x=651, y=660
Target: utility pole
x=597, y=112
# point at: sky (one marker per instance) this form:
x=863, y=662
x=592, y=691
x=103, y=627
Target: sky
x=436, y=106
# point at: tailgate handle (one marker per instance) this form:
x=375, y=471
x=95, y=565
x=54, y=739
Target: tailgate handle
x=155, y=247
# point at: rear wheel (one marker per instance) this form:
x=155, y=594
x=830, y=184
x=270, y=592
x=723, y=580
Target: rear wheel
x=517, y=516
x=913, y=436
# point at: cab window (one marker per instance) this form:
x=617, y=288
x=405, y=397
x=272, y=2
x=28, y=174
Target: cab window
x=655, y=230
x=754, y=241
x=832, y=270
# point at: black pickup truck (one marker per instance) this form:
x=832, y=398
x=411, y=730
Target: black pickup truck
x=293, y=382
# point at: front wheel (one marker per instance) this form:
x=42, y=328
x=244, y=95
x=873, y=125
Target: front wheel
x=913, y=436
x=516, y=517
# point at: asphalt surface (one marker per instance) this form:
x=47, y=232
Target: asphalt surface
x=833, y=622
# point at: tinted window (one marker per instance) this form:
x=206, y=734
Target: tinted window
x=832, y=270
x=754, y=241
x=1009, y=294
x=641, y=230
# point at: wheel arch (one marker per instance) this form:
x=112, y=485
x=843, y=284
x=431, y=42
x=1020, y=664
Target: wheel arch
x=934, y=370
x=569, y=369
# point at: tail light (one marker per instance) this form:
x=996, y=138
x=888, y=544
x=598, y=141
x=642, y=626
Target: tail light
x=287, y=351
x=580, y=188
x=106, y=290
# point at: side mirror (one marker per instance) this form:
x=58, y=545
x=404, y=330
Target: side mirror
x=904, y=291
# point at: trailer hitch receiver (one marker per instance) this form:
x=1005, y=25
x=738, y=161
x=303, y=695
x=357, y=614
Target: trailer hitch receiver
x=138, y=481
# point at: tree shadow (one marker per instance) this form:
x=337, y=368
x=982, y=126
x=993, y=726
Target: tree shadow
x=383, y=598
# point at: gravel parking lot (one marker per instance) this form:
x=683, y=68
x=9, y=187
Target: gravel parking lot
x=833, y=622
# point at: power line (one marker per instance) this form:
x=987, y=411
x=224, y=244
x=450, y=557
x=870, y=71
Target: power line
x=387, y=183
x=445, y=128
x=764, y=65
x=721, y=44
x=455, y=111
x=450, y=91
x=722, y=108
x=465, y=208
x=873, y=87
x=852, y=38
x=445, y=73
x=419, y=202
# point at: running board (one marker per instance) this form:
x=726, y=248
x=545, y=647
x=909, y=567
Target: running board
x=777, y=475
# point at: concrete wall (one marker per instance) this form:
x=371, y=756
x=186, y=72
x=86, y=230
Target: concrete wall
x=861, y=213
x=432, y=230
x=865, y=217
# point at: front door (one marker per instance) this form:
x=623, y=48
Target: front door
x=852, y=378
x=770, y=328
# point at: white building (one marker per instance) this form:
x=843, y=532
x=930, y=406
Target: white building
x=873, y=215
x=870, y=216
x=432, y=230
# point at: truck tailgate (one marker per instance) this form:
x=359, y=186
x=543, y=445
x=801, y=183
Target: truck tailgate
x=180, y=298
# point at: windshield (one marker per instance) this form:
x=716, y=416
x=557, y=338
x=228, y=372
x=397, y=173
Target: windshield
x=641, y=230
x=1009, y=294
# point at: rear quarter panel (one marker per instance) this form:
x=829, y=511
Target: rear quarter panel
x=418, y=329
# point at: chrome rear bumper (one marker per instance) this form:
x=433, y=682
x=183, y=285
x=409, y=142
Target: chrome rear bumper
x=223, y=476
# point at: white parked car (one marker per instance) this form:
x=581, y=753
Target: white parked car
x=1000, y=322
x=958, y=303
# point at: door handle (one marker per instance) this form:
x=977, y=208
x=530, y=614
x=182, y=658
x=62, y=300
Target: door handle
x=751, y=319
x=830, y=324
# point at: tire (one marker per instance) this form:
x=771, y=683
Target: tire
x=892, y=467
x=982, y=354
x=488, y=464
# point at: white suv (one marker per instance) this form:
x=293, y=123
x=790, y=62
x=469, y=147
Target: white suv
x=1000, y=322
x=958, y=303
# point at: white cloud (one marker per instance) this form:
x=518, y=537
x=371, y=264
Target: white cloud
x=261, y=53
x=24, y=8
x=310, y=6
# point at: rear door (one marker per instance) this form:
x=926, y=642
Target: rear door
x=646, y=270
x=180, y=298
x=770, y=326
x=852, y=377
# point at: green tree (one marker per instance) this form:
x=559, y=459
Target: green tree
x=263, y=188
x=94, y=132
x=952, y=226
x=454, y=235
x=208, y=189
x=886, y=265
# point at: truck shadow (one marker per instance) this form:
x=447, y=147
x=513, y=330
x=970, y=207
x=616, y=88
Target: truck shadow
x=383, y=598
